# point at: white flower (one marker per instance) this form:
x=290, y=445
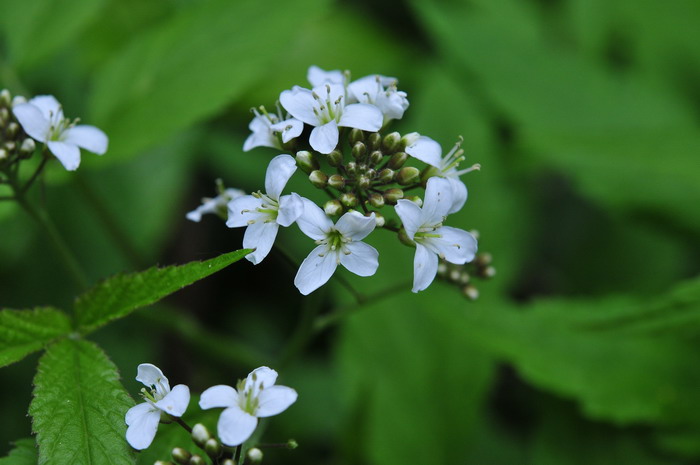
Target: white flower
x=269, y=128
x=433, y=240
x=42, y=118
x=255, y=397
x=217, y=205
x=325, y=108
x=337, y=244
x=263, y=214
x=381, y=92
x=143, y=419
x=317, y=76
x=428, y=151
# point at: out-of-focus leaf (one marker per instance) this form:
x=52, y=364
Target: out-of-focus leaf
x=23, y=453
x=79, y=407
x=25, y=331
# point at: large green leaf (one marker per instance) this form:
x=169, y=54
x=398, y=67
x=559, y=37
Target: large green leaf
x=25, y=331
x=79, y=406
x=24, y=453
x=119, y=295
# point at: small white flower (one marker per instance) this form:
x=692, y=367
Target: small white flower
x=428, y=151
x=143, y=419
x=317, y=76
x=269, y=128
x=381, y=92
x=42, y=118
x=433, y=240
x=217, y=205
x=255, y=397
x=337, y=244
x=325, y=108
x=263, y=214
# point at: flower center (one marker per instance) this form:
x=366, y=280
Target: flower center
x=327, y=110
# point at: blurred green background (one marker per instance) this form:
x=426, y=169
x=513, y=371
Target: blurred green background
x=584, y=116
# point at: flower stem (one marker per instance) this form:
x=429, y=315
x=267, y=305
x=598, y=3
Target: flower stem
x=304, y=329
x=182, y=423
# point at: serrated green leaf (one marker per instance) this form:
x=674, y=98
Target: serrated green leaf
x=119, y=295
x=79, y=406
x=25, y=331
x=24, y=453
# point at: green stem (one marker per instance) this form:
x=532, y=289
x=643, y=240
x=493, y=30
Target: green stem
x=304, y=329
x=182, y=423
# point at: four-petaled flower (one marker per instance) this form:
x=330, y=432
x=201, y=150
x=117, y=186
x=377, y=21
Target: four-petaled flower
x=271, y=130
x=42, y=118
x=337, y=244
x=255, y=397
x=217, y=205
x=433, y=240
x=381, y=92
x=143, y=419
x=263, y=214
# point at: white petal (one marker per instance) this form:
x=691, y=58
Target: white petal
x=235, y=426
x=150, y=375
x=218, y=396
x=196, y=214
x=261, y=237
x=143, y=424
x=355, y=225
x=393, y=104
x=410, y=215
x=300, y=104
x=291, y=208
x=425, y=265
x=88, y=137
x=264, y=138
x=362, y=260
x=455, y=245
x=32, y=121
x=426, y=150
x=262, y=376
x=176, y=401
x=274, y=400
x=241, y=210
x=280, y=169
x=437, y=202
x=67, y=154
x=324, y=138
x=49, y=106
x=317, y=76
x=362, y=116
x=316, y=270
x=459, y=194
x=314, y=222
x=289, y=129
x=365, y=89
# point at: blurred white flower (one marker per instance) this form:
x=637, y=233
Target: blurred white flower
x=143, y=419
x=42, y=118
x=337, y=244
x=269, y=128
x=216, y=205
x=317, y=76
x=423, y=225
x=263, y=214
x=255, y=397
x=381, y=92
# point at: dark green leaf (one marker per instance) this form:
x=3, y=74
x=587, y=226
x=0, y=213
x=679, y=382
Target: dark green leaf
x=25, y=331
x=24, y=453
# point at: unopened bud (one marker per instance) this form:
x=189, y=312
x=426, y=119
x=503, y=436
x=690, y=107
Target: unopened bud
x=181, y=456
x=455, y=274
x=333, y=207
x=415, y=199
x=5, y=98
x=228, y=462
x=364, y=182
x=474, y=233
x=410, y=139
x=371, y=173
x=356, y=135
x=488, y=272
x=213, y=448
x=12, y=130
x=306, y=161
x=375, y=141
x=197, y=460
x=483, y=259
x=18, y=99
x=379, y=219
x=470, y=292
x=335, y=158
x=200, y=434
x=163, y=462
x=359, y=150
x=336, y=181
x=403, y=237
x=255, y=455
x=464, y=278
x=28, y=146
x=375, y=158
x=397, y=160
x=4, y=116
x=407, y=175
x=386, y=176
x=427, y=173
x=348, y=199
x=376, y=200
x=319, y=179
x=391, y=142
x=351, y=167
x=3, y=154
x=393, y=195
x=442, y=268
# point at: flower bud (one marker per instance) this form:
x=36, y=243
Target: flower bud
x=17, y=99
x=364, y=182
x=464, y=278
x=374, y=140
x=371, y=173
x=181, y=456
x=333, y=207
x=319, y=179
x=470, y=292
x=375, y=158
x=407, y=175
x=255, y=455
x=200, y=434
x=410, y=139
x=28, y=146
x=335, y=158
x=306, y=161
x=348, y=199
x=336, y=181
x=228, y=462
x=442, y=268
x=397, y=160
x=405, y=240
x=12, y=130
x=3, y=154
x=474, y=233
x=415, y=199
x=197, y=460
x=163, y=462
x=5, y=98
x=376, y=200
x=488, y=272
x=455, y=275
x=379, y=219
x=386, y=176
x=391, y=142
x=393, y=195
x=292, y=444
x=483, y=259
x=351, y=167
x=359, y=150
x=213, y=448
x=4, y=116
x=10, y=146
x=427, y=173
x=356, y=135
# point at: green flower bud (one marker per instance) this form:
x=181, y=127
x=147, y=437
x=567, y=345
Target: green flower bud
x=359, y=150
x=371, y=173
x=335, y=158
x=375, y=141
x=12, y=130
x=379, y=219
x=488, y=272
x=292, y=444
x=306, y=161
x=464, y=278
x=228, y=462
x=474, y=233
x=4, y=116
x=483, y=259
x=351, y=167
x=356, y=135
x=364, y=182
x=391, y=142
x=348, y=199
x=197, y=460
x=333, y=207
x=163, y=462
x=10, y=146
x=403, y=237
x=397, y=160
x=409, y=139
x=319, y=179
x=376, y=200
x=5, y=98
x=393, y=195
x=415, y=199
x=3, y=154
x=200, y=434
x=442, y=269
x=336, y=181
x=407, y=175
x=181, y=456
x=386, y=176
x=213, y=448
x=427, y=173
x=470, y=292
x=375, y=158
x=255, y=455
x=455, y=275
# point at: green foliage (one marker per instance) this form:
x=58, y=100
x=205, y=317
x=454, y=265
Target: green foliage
x=79, y=406
x=23, y=453
x=25, y=331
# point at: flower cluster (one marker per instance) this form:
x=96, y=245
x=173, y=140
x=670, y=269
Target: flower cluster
x=340, y=123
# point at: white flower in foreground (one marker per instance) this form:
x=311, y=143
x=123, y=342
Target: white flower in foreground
x=317, y=76
x=381, y=92
x=269, y=128
x=428, y=151
x=337, y=244
x=217, y=205
x=263, y=214
x=325, y=108
x=42, y=118
x=423, y=225
x=143, y=419
x=255, y=397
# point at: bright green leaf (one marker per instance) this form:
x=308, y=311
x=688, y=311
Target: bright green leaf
x=119, y=295
x=25, y=331
x=79, y=406
x=24, y=453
